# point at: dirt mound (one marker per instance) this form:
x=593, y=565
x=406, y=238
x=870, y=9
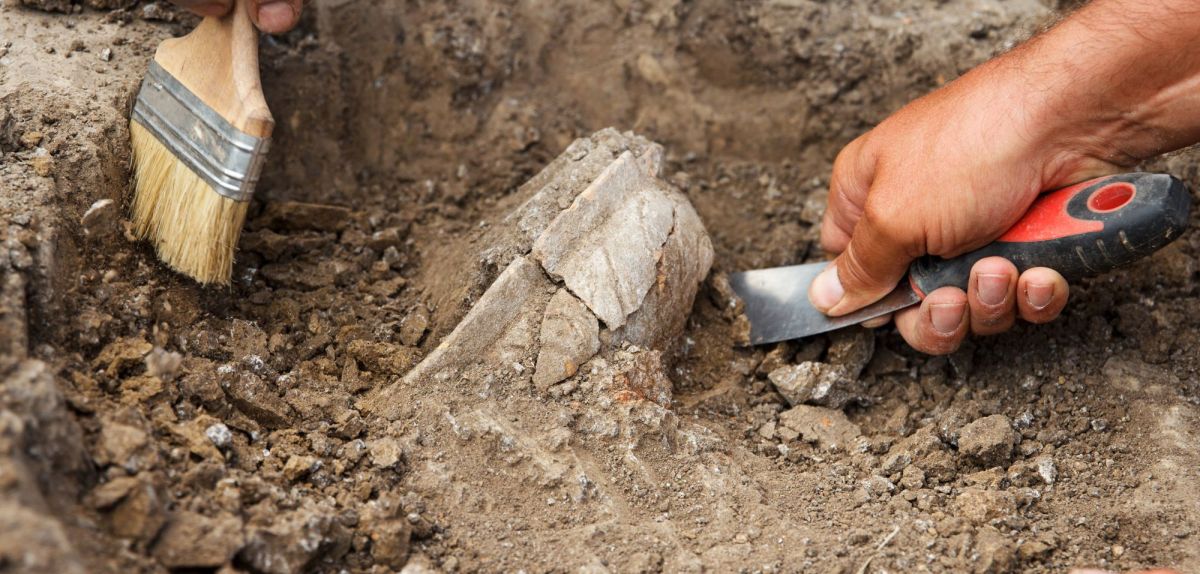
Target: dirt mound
x=283, y=424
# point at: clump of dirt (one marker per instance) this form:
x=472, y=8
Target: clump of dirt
x=148, y=423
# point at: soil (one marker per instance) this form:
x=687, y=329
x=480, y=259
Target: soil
x=147, y=423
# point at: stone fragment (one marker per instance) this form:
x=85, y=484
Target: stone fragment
x=42, y=162
x=220, y=435
x=257, y=400
x=997, y=554
x=570, y=335
x=852, y=349
x=300, y=216
x=135, y=511
x=816, y=383
x=979, y=505
x=298, y=466
x=988, y=441
x=100, y=220
x=950, y=423
x=296, y=541
x=385, y=452
x=414, y=325
x=605, y=247
x=915, y=448
x=390, y=537
x=381, y=357
x=828, y=428
x=121, y=354
x=193, y=540
x=123, y=445
x=163, y=364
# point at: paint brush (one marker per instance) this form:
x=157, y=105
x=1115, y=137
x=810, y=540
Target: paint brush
x=200, y=131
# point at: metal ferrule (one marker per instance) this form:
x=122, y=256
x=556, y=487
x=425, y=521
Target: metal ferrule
x=224, y=156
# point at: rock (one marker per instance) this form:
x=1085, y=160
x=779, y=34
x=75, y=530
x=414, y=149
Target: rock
x=818, y=384
x=300, y=216
x=777, y=358
x=298, y=466
x=1046, y=469
x=123, y=445
x=390, y=542
x=414, y=325
x=381, y=357
x=135, y=510
x=887, y=362
x=163, y=364
x=569, y=336
x=220, y=435
x=951, y=422
x=828, y=428
x=979, y=505
x=915, y=448
x=295, y=541
x=258, y=400
x=100, y=220
x=852, y=349
x=604, y=247
x=121, y=354
x=878, y=486
x=912, y=478
x=997, y=554
x=988, y=441
x=193, y=540
x=385, y=452
x=608, y=232
x=42, y=162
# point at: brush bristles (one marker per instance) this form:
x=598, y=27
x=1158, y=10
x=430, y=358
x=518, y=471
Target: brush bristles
x=194, y=229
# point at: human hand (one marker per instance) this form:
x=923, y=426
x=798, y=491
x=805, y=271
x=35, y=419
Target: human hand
x=945, y=175
x=951, y=171
x=270, y=16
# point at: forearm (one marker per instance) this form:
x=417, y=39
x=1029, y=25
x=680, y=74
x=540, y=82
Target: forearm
x=1118, y=81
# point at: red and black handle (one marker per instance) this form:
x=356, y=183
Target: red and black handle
x=1080, y=231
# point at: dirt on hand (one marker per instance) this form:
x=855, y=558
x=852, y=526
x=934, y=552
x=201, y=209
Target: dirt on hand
x=405, y=375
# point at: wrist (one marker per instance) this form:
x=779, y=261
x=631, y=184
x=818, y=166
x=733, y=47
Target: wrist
x=1099, y=90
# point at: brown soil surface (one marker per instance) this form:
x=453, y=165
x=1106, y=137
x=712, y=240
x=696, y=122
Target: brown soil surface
x=147, y=423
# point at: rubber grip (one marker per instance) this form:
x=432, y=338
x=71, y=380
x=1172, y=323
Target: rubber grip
x=1080, y=231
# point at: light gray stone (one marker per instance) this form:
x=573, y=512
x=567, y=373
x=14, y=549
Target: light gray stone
x=605, y=247
x=816, y=383
x=828, y=428
x=570, y=335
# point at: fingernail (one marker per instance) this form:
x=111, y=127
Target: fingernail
x=946, y=317
x=1039, y=294
x=991, y=288
x=826, y=289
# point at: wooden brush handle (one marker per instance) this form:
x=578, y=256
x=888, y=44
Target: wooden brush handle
x=218, y=61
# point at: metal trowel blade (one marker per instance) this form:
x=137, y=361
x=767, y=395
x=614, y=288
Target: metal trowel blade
x=777, y=304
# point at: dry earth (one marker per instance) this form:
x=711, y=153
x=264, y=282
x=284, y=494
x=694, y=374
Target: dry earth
x=283, y=425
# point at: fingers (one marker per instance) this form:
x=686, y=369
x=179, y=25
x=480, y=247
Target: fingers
x=872, y=265
x=270, y=16
x=995, y=295
x=206, y=7
x=275, y=16
x=853, y=171
x=939, y=324
x=1042, y=294
x=991, y=292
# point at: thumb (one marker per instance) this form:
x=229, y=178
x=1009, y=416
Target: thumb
x=870, y=267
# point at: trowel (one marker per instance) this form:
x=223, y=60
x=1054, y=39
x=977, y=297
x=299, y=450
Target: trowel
x=1080, y=231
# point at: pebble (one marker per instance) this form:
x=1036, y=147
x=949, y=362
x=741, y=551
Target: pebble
x=1046, y=469
x=42, y=163
x=106, y=55
x=989, y=440
x=220, y=435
